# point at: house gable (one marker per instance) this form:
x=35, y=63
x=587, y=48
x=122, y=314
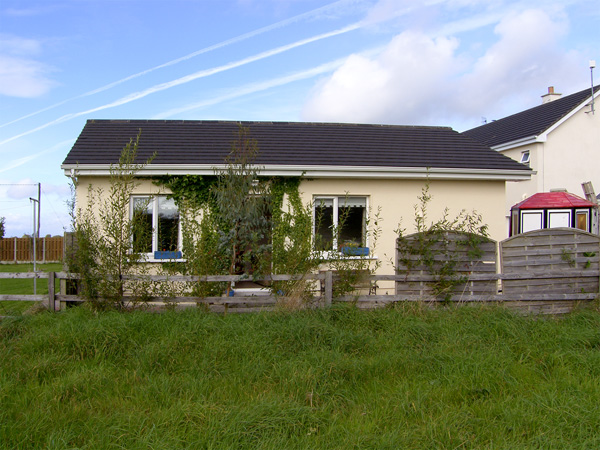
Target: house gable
x=532, y=124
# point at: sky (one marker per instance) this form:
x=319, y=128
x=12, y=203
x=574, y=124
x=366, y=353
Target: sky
x=453, y=63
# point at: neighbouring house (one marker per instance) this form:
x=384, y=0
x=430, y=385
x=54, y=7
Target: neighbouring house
x=553, y=210
x=559, y=140
x=356, y=166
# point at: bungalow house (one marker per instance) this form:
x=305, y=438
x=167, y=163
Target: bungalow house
x=357, y=166
x=559, y=140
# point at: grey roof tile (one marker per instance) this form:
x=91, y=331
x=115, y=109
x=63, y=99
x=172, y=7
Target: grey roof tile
x=183, y=142
x=528, y=123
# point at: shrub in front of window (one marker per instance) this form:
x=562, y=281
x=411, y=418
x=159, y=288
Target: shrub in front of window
x=109, y=241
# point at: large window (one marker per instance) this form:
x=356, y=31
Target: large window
x=159, y=233
x=340, y=222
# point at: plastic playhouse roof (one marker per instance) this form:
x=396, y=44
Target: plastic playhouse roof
x=546, y=200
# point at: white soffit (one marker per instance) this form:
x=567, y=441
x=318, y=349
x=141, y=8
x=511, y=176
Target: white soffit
x=318, y=172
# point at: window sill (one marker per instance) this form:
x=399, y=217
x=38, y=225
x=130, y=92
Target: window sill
x=160, y=261
x=338, y=255
x=150, y=258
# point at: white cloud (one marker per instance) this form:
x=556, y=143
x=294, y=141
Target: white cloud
x=23, y=189
x=16, y=207
x=393, y=87
x=526, y=56
x=418, y=79
x=20, y=74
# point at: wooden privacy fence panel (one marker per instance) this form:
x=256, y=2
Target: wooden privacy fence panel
x=452, y=246
x=556, y=261
x=48, y=249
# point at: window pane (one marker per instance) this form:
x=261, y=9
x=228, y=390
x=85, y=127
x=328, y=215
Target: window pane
x=324, y=224
x=142, y=236
x=168, y=225
x=559, y=219
x=531, y=221
x=351, y=221
x=582, y=220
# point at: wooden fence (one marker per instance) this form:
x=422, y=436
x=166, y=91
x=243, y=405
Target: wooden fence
x=546, y=271
x=19, y=250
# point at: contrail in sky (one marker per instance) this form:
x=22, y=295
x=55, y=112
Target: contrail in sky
x=24, y=160
x=186, y=79
x=256, y=87
x=207, y=72
x=234, y=40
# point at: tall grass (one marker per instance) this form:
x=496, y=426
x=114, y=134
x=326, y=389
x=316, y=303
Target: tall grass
x=338, y=378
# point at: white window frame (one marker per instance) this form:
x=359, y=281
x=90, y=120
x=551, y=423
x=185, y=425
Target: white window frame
x=153, y=200
x=559, y=213
x=336, y=202
x=531, y=212
x=526, y=157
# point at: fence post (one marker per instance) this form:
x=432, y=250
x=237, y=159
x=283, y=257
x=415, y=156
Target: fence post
x=51, y=295
x=328, y=287
x=15, y=251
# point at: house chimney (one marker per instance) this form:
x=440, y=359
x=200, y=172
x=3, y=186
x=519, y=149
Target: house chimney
x=550, y=96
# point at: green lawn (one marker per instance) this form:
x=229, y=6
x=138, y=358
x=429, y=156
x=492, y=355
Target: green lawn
x=14, y=287
x=339, y=378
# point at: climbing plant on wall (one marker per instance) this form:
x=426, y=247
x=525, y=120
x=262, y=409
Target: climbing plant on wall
x=433, y=249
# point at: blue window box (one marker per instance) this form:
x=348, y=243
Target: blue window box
x=355, y=251
x=167, y=255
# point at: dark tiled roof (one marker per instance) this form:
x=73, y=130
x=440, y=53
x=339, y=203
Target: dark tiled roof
x=179, y=142
x=528, y=123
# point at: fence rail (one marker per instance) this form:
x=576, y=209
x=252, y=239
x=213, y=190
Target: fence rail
x=19, y=250
x=533, y=301
x=545, y=271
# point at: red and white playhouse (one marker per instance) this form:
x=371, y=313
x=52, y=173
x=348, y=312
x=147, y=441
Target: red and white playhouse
x=553, y=210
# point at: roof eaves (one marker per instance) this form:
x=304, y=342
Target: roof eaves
x=516, y=143
x=319, y=171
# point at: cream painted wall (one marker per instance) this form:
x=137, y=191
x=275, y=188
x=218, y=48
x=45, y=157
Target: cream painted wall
x=396, y=198
x=569, y=157
x=144, y=187
x=572, y=154
x=519, y=190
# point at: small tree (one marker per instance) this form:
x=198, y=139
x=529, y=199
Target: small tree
x=106, y=236
x=2, y=231
x=242, y=210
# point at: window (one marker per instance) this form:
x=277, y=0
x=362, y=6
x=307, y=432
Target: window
x=532, y=220
x=582, y=219
x=159, y=233
x=559, y=218
x=340, y=222
x=525, y=157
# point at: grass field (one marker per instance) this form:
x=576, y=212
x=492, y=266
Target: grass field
x=339, y=378
x=15, y=287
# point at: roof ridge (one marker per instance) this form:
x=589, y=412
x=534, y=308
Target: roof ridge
x=548, y=105
x=282, y=122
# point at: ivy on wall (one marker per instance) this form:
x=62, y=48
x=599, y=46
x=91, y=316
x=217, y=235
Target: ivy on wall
x=197, y=189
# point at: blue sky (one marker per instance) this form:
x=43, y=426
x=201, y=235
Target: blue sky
x=450, y=63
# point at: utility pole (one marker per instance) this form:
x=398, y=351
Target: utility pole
x=592, y=65
x=36, y=231
x=34, y=235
